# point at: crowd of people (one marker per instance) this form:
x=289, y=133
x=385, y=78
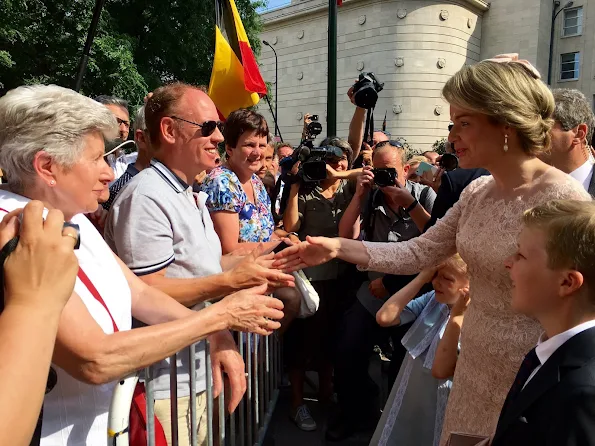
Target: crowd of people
x=199, y=232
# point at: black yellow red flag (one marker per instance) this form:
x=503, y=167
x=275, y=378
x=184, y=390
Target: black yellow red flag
x=236, y=81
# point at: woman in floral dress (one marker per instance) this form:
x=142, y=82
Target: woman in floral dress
x=238, y=202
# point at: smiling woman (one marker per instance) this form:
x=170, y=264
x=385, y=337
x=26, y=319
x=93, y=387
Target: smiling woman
x=238, y=202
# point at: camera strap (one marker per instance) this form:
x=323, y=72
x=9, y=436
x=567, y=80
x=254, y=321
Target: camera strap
x=369, y=129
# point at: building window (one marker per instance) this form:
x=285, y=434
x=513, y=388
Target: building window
x=570, y=63
x=573, y=22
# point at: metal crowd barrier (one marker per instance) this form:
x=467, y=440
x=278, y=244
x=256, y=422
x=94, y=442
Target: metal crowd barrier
x=246, y=426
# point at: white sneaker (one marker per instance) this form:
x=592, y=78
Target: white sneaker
x=302, y=418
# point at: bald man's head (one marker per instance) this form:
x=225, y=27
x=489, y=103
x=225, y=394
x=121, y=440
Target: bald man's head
x=169, y=100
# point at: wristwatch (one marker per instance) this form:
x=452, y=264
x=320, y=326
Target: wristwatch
x=412, y=206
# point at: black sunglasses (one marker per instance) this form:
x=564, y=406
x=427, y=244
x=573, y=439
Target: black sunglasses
x=207, y=128
x=391, y=142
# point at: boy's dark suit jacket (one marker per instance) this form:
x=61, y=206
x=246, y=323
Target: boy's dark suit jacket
x=557, y=406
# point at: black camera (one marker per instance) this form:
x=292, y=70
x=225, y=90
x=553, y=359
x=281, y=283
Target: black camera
x=384, y=177
x=366, y=89
x=313, y=129
x=449, y=162
x=314, y=160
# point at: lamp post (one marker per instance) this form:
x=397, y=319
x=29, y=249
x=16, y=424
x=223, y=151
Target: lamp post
x=331, y=95
x=276, y=87
x=555, y=13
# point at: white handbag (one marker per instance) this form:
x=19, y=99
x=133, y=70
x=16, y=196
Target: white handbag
x=310, y=298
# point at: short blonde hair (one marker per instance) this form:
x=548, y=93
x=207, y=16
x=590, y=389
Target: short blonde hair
x=457, y=262
x=569, y=226
x=508, y=93
x=416, y=160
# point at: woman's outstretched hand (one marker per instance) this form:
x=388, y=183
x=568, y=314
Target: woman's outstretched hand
x=314, y=251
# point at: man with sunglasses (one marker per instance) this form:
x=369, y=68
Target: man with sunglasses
x=164, y=233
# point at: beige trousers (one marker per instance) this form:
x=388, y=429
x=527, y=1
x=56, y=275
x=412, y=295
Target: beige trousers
x=163, y=413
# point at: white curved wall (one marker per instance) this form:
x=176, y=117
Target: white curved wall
x=420, y=39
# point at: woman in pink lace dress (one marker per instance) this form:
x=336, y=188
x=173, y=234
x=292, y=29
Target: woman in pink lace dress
x=502, y=117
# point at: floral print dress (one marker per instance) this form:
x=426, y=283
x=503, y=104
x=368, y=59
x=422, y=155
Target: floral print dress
x=226, y=194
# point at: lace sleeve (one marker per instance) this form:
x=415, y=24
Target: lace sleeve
x=429, y=249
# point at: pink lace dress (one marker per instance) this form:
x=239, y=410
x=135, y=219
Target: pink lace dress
x=483, y=228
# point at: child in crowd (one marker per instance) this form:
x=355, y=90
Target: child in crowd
x=414, y=412
x=552, y=401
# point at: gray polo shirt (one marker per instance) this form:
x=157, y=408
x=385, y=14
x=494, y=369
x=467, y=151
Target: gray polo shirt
x=389, y=225
x=157, y=222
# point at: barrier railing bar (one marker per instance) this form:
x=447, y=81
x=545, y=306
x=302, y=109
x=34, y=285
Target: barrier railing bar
x=268, y=375
x=209, y=378
x=249, y=401
x=256, y=386
x=150, y=406
x=222, y=417
x=267, y=418
x=173, y=395
x=261, y=381
x=192, y=384
x=255, y=410
x=242, y=415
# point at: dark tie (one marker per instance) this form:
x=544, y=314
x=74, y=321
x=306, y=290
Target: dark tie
x=530, y=363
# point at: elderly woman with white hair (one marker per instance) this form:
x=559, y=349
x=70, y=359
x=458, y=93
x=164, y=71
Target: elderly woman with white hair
x=52, y=146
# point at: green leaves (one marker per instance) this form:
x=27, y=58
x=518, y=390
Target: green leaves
x=439, y=146
x=140, y=44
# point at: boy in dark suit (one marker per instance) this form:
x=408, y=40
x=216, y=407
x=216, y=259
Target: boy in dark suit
x=552, y=401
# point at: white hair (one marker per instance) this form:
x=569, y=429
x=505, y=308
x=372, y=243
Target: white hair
x=49, y=118
x=139, y=120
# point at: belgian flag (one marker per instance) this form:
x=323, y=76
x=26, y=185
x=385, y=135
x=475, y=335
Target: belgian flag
x=235, y=80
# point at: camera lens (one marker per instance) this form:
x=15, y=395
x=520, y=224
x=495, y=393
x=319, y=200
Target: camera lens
x=449, y=161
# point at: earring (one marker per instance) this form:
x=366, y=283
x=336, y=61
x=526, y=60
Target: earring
x=52, y=183
x=506, y=143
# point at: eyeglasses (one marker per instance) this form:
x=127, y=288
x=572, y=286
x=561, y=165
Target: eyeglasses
x=390, y=142
x=121, y=121
x=207, y=128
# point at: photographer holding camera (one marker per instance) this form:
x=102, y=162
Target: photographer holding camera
x=364, y=94
x=385, y=208
x=315, y=208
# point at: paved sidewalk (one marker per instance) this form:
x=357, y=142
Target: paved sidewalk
x=283, y=432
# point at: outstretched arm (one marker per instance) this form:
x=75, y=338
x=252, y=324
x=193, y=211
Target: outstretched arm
x=409, y=257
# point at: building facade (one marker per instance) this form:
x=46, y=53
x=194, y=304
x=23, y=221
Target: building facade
x=414, y=46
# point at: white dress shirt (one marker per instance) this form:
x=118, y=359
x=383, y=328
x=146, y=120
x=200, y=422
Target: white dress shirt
x=546, y=347
x=583, y=174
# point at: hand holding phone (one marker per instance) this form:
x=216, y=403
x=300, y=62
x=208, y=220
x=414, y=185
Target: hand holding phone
x=426, y=167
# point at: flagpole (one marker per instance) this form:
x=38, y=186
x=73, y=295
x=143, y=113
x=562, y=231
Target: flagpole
x=331, y=116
